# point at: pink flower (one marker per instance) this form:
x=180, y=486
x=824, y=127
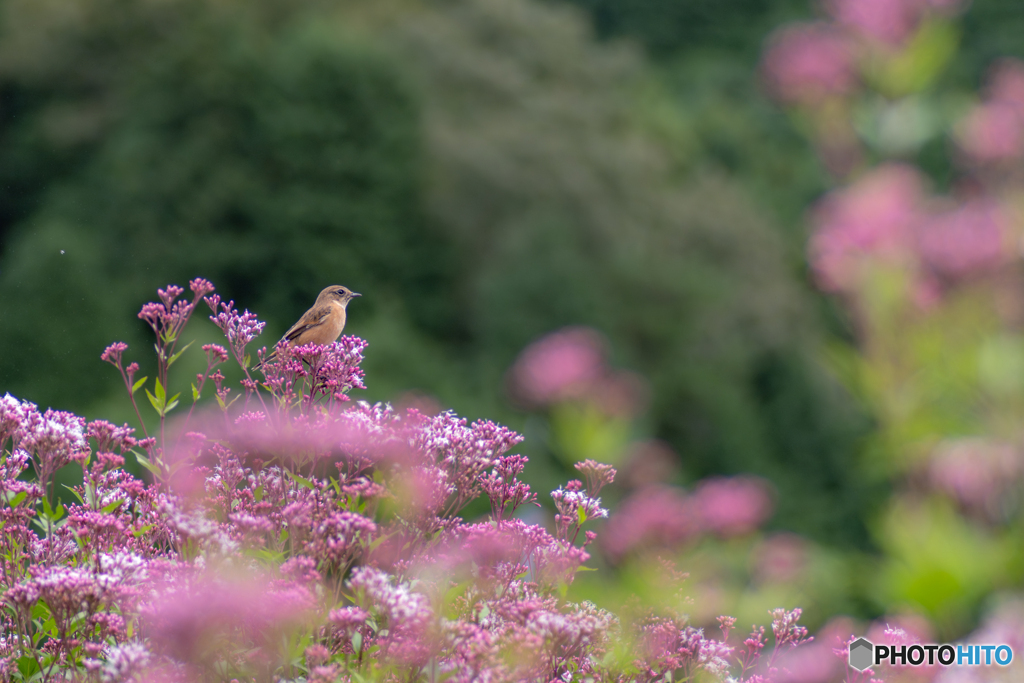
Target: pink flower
x=16, y=420
x=196, y=620
x=877, y=216
x=818, y=661
x=977, y=473
x=965, y=240
x=732, y=506
x=992, y=132
x=619, y=394
x=888, y=21
x=781, y=558
x=55, y=438
x=239, y=328
x=1006, y=84
x=649, y=462
x=559, y=366
x=655, y=517
x=808, y=63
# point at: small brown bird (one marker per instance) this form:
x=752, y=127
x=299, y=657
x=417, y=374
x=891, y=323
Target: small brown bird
x=321, y=324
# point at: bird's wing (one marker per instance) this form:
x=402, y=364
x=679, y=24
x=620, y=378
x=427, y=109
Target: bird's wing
x=314, y=317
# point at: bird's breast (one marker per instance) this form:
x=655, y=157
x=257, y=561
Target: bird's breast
x=331, y=328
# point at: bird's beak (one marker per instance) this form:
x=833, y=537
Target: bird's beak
x=354, y=295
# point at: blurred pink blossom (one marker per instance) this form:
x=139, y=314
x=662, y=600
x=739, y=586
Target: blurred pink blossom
x=621, y=393
x=559, y=366
x=780, y=558
x=887, y=21
x=965, y=240
x=732, y=506
x=807, y=63
x=876, y=216
x=665, y=517
x=1006, y=83
x=1005, y=625
x=927, y=292
x=820, y=660
x=992, y=132
x=194, y=620
x=901, y=629
x=655, y=517
x=649, y=462
x=977, y=473
x=904, y=629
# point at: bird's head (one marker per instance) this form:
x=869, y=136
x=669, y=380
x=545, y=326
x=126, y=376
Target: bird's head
x=337, y=293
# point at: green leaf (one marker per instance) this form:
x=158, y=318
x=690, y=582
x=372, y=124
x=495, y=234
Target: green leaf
x=183, y=350
x=14, y=500
x=138, y=383
x=195, y=393
x=27, y=666
x=144, y=461
x=138, y=532
x=172, y=404
x=75, y=494
x=302, y=481
x=113, y=506
x=917, y=65
x=155, y=403
x=581, y=514
x=161, y=392
x=50, y=513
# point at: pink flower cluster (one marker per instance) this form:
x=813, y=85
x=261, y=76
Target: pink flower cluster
x=239, y=328
x=658, y=517
x=810, y=63
x=888, y=21
x=313, y=540
x=887, y=218
x=992, y=133
x=666, y=645
x=314, y=371
x=983, y=476
x=572, y=365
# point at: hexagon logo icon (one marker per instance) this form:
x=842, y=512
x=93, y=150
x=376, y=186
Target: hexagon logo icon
x=861, y=654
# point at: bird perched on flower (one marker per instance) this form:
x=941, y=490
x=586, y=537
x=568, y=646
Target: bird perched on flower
x=321, y=324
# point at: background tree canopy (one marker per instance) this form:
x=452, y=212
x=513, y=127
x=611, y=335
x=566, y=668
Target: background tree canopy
x=484, y=171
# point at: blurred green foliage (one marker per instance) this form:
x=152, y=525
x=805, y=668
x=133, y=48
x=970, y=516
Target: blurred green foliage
x=484, y=172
